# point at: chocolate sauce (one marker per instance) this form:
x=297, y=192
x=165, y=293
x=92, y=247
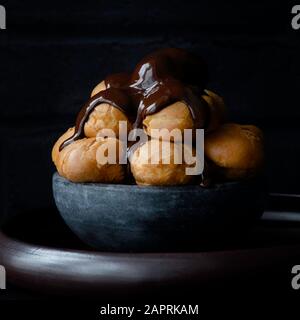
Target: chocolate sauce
x=115, y=97
x=160, y=79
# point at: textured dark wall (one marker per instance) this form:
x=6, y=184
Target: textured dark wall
x=53, y=53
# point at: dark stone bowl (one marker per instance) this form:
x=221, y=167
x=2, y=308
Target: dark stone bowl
x=134, y=218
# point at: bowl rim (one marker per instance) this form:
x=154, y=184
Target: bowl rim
x=217, y=186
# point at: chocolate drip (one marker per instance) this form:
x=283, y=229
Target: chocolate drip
x=160, y=79
x=112, y=96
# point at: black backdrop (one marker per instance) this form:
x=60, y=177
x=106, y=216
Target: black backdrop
x=53, y=53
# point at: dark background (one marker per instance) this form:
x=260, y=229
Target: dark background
x=53, y=53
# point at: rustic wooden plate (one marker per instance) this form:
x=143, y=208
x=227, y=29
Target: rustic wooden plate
x=41, y=253
x=80, y=272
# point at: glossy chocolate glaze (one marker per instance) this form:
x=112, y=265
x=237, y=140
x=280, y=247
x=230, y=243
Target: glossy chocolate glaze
x=115, y=97
x=160, y=79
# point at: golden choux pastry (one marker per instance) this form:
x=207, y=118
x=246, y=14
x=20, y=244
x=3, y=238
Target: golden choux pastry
x=155, y=163
x=236, y=149
x=62, y=138
x=84, y=161
x=175, y=116
x=217, y=110
x=99, y=87
x=105, y=116
x=178, y=116
x=232, y=151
